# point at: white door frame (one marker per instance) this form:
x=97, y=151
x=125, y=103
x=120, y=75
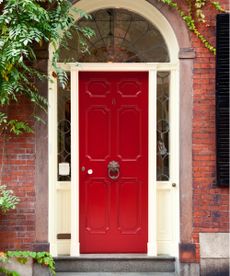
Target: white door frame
x=153, y=185
x=152, y=107
x=152, y=220
x=147, y=10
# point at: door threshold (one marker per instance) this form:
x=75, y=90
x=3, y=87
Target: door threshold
x=131, y=256
x=119, y=263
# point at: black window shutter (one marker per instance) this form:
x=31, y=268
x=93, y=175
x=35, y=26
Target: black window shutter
x=222, y=99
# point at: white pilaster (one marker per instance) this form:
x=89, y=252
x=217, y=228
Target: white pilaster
x=52, y=148
x=152, y=184
x=75, y=247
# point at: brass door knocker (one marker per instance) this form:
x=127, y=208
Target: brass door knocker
x=113, y=170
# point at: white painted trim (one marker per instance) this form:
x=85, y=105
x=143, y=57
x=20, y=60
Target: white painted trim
x=152, y=68
x=74, y=248
x=63, y=186
x=117, y=66
x=52, y=148
x=63, y=247
x=152, y=191
x=174, y=116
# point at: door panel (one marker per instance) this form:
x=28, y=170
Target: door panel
x=97, y=207
x=113, y=120
x=97, y=146
x=129, y=133
x=129, y=208
x=130, y=88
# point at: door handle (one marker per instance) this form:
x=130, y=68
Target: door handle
x=113, y=170
x=90, y=171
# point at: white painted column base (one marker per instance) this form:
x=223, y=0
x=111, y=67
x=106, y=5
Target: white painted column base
x=53, y=249
x=75, y=249
x=151, y=249
x=63, y=247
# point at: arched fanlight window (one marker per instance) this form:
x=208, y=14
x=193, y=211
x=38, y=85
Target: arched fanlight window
x=120, y=36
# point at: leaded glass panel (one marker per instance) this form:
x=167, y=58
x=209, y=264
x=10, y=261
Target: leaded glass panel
x=120, y=36
x=163, y=127
x=64, y=132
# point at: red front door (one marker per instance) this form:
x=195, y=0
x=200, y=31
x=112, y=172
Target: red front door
x=113, y=121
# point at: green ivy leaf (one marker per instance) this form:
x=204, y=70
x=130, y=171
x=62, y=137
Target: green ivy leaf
x=23, y=24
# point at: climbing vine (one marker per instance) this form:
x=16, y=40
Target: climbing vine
x=22, y=257
x=26, y=25
x=8, y=200
x=192, y=12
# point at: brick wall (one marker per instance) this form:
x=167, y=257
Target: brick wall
x=210, y=203
x=17, y=166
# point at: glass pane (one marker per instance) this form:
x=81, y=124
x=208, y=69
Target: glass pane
x=64, y=132
x=120, y=36
x=163, y=127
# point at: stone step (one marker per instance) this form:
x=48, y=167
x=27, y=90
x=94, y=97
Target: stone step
x=115, y=274
x=115, y=263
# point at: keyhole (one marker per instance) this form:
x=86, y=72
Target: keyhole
x=113, y=101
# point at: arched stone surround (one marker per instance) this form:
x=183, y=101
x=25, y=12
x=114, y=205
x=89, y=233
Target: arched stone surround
x=186, y=55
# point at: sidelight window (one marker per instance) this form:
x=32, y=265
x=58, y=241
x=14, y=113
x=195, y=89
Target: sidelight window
x=64, y=132
x=163, y=127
